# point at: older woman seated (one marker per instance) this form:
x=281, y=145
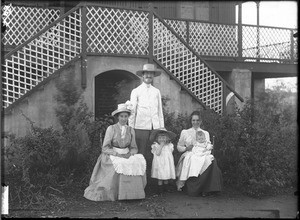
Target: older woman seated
x=197, y=168
x=119, y=173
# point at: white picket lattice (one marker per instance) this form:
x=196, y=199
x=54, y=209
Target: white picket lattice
x=266, y=43
x=180, y=27
x=187, y=67
x=213, y=39
x=24, y=22
x=117, y=31
x=41, y=57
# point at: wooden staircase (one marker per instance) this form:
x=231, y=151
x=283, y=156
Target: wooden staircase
x=90, y=29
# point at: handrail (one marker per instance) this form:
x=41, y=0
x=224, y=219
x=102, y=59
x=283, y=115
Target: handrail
x=267, y=45
x=224, y=23
x=197, y=55
x=110, y=6
x=30, y=6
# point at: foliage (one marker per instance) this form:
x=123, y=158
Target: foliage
x=49, y=159
x=31, y=163
x=174, y=123
x=256, y=147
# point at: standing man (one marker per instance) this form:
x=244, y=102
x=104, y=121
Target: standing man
x=147, y=111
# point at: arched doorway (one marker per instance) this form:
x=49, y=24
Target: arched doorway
x=111, y=88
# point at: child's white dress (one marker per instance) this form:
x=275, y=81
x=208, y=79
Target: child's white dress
x=163, y=167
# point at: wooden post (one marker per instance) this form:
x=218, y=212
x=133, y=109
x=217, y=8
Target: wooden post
x=188, y=33
x=292, y=47
x=150, y=18
x=258, y=34
x=83, y=46
x=240, y=33
x=224, y=109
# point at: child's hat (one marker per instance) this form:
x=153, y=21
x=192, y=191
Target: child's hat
x=155, y=132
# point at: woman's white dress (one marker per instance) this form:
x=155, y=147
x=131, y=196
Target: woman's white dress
x=193, y=163
x=163, y=167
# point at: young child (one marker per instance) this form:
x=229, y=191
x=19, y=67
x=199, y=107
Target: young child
x=201, y=145
x=163, y=167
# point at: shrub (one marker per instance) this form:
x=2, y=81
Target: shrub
x=256, y=147
x=46, y=157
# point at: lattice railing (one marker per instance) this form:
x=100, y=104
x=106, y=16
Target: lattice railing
x=267, y=43
x=274, y=52
x=213, y=39
x=24, y=22
x=295, y=47
x=180, y=27
x=38, y=58
x=187, y=67
x=113, y=31
x=221, y=40
x=126, y=32
x=117, y=31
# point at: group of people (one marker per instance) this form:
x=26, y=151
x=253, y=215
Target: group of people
x=138, y=147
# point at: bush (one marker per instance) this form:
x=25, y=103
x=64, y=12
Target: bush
x=256, y=147
x=46, y=157
x=31, y=164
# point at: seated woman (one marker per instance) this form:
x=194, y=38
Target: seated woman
x=119, y=172
x=197, y=168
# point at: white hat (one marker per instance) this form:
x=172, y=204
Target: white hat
x=149, y=68
x=123, y=107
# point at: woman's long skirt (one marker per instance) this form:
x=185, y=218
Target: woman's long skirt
x=209, y=181
x=107, y=185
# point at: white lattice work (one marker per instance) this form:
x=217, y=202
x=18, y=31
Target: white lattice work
x=295, y=47
x=179, y=27
x=24, y=22
x=117, y=31
x=187, y=67
x=38, y=59
x=266, y=43
x=213, y=39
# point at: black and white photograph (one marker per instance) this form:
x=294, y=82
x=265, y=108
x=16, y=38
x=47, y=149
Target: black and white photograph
x=149, y=109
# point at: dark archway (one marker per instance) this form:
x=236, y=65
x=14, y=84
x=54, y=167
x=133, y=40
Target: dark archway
x=111, y=88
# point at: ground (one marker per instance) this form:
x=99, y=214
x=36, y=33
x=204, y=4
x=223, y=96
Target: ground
x=228, y=204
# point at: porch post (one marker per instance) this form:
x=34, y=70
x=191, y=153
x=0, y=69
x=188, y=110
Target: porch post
x=258, y=34
x=150, y=18
x=292, y=47
x=83, y=46
x=240, y=33
x=188, y=33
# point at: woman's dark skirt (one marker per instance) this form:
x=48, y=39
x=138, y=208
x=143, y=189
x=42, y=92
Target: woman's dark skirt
x=209, y=181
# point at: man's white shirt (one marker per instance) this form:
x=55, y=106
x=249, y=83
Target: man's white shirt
x=147, y=108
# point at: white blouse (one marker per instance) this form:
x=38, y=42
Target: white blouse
x=188, y=137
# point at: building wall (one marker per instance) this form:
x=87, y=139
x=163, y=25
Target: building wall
x=213, y=11
x=39, y=106
x=180, y=102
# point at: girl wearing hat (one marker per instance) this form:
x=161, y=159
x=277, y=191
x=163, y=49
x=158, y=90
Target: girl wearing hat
x=163, y=167
x=120, y=171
